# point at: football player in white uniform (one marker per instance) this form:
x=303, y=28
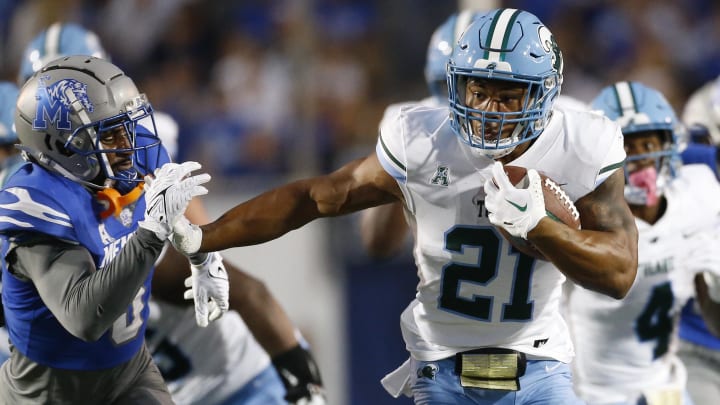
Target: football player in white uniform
x=383, y=229
x=699, y=349
x=485, y=326
x=222, y=363
x=625, y=350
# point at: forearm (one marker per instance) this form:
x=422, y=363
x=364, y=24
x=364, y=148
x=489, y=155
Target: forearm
x=85, y=301
x=261, y=219
x=358, y=185
x=263, y=315
x=601, y=261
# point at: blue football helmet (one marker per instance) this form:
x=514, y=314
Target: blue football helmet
x=639, y=109
x=64, y=109
x=8, y=98
x=58, y=40
x=512, y=46
x=440, y=49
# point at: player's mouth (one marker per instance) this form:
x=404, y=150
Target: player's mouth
x=123, y=164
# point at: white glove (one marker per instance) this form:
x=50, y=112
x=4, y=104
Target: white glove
x=167, y=195
x=209, y=287
x=186, y=237
x=517, y=210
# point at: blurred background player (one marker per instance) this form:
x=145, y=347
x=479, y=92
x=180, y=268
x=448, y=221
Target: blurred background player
x=699, y=349
x=9, y=160
x=222, y=363
x=10, y=157
x=626, y=350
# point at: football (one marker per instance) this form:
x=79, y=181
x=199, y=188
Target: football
x=558, y=206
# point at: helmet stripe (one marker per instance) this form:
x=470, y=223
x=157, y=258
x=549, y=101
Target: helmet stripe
x=508, y=30
x=52, y=40
x=625, y=98
x=500, y=32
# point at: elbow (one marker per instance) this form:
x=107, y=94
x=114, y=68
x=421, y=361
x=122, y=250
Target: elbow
x=249, y=295
x=87, y=333
x=625, y=273
x=622, y=282
x=87, y=328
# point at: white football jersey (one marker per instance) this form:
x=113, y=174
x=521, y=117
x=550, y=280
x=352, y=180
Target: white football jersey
x=202, y=365
x=626, y=347
x=475, y=290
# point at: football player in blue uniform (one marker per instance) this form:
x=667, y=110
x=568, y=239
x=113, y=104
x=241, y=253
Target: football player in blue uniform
x=242, y=372
x=76, y=281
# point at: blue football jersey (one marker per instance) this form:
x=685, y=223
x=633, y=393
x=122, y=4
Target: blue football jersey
x=35, y=200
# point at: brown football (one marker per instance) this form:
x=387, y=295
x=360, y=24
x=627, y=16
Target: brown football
x=557, y=205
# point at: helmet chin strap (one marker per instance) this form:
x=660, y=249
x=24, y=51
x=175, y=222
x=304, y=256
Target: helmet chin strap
x=115, y=202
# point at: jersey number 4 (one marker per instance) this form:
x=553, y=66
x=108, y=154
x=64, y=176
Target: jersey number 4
x=487, y=243
x=655, y=323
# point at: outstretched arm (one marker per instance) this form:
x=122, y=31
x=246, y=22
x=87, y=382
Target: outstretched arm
x=603, y=255
x=360, y=184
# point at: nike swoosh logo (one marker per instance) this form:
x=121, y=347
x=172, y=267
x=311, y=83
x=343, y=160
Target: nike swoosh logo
x=217, y=273
x=522, y=208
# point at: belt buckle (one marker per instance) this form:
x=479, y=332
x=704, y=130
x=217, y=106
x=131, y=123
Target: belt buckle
x=664, y=396
x=493, y=369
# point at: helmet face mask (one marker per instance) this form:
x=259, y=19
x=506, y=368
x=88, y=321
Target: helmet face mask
x=643, y=113
x=513, y=47
x=80, y=116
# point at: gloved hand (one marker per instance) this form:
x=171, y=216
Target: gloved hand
x=208, y=286
x=167, y=195
x=517, y=210
x=186, y=237
x=300, y=376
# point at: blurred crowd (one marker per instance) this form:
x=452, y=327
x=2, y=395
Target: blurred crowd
x=277, y=87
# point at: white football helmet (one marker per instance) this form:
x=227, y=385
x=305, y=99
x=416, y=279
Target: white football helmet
x=703, y=109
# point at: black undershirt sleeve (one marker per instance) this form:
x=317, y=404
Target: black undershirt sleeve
x=84, y=300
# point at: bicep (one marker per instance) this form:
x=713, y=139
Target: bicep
x=54, y=269
x=360, y=184
x=605, y=209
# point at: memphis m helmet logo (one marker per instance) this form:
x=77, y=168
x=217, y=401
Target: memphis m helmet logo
x=54, y=102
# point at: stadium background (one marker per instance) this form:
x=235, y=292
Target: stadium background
x=267, y=91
